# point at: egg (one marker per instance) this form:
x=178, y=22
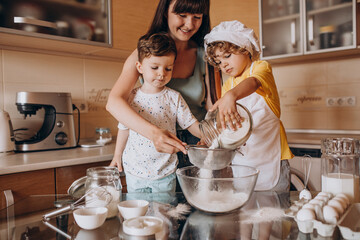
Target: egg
x=317, y=202
x=342, y=201
x=305, y=214
x=337, y=205
x=309, y=206
x=294, y=208
x=316, y=208
x=331, y=216
x=343, y=196
x=325, y=199
x=325, y=194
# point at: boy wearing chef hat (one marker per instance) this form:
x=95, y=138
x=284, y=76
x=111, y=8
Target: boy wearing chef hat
x=235, y=50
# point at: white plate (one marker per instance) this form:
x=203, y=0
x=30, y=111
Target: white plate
x=143, y=226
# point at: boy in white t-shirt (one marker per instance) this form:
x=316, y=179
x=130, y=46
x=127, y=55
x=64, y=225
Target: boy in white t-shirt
x=148, y=170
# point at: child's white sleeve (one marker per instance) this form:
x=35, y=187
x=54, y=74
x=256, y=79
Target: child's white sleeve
x=184, y=116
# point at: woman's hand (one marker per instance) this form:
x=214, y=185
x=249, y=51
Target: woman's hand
x=228, y=113
x=166, y=142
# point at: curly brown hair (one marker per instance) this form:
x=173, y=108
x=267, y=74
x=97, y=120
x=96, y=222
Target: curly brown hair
x=158, y=44
x=223, y=46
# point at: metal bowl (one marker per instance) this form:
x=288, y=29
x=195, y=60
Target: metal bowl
x=212, y=159
x=217, y=191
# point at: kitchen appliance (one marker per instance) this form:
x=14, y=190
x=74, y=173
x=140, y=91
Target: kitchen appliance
x=6, y=132
x=57, y=130
x=340, y=167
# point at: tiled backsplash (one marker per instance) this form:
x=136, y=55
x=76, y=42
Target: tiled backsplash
x=303, y=88
x=87, y=80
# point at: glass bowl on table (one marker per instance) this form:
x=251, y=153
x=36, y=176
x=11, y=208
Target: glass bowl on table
x=217, y=191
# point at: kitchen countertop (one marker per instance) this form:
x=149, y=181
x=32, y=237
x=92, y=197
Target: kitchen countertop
x=311, y=138
x=30, y=161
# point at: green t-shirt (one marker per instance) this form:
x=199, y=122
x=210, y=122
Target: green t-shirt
x=192, y=89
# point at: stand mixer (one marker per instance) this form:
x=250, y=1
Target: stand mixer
x=57, y=130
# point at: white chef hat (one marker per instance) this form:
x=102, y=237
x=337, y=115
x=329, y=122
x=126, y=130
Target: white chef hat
x=237, y=33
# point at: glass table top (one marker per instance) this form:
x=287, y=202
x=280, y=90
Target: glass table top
x=261, y=217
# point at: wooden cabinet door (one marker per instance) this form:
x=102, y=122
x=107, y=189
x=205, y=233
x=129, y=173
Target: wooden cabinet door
x=25, y=184
x=131, y=20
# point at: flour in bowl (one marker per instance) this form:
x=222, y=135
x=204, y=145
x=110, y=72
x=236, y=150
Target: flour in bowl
x=218, y=201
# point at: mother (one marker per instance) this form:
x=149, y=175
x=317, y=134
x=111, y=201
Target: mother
x=187, y=22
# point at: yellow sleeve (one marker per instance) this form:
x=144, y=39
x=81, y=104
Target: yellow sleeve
x=262, y=71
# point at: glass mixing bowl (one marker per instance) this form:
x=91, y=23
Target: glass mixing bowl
x=213, y=159
x=217, y=191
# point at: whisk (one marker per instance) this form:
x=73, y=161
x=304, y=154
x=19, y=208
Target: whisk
x=306, y=162
x=93, y=197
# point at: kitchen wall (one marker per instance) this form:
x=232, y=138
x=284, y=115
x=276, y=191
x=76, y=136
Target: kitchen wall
x=86, y=79
x=305, y=87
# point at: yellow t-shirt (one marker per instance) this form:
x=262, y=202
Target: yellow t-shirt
x=261, y=70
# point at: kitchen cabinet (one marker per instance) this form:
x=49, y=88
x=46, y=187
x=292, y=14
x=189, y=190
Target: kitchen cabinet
x=303, y=27
x=82, y=21
x=22, y=185
x=123, y=24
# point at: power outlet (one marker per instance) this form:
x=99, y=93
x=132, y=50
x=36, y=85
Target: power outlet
x=81, y=105
x=349, y=101
x=331, y=102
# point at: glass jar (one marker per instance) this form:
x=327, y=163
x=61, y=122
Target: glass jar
x=103, y=136
x=340, y=167
x=107, y=178
x=217, y=137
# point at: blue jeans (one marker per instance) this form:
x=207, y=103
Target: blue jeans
x=136, y=184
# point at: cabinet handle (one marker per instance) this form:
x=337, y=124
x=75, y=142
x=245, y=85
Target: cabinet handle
x=311, y=30
x=36, y=22
x=293, y=32
x=9, y=198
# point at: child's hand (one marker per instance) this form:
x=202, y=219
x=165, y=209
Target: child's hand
x=228, y=112
x=117, y=162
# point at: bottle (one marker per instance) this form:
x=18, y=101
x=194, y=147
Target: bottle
x=108, y=178
x=340, y=167
x=103, y=136
x=327, y=37
x=217, y=137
